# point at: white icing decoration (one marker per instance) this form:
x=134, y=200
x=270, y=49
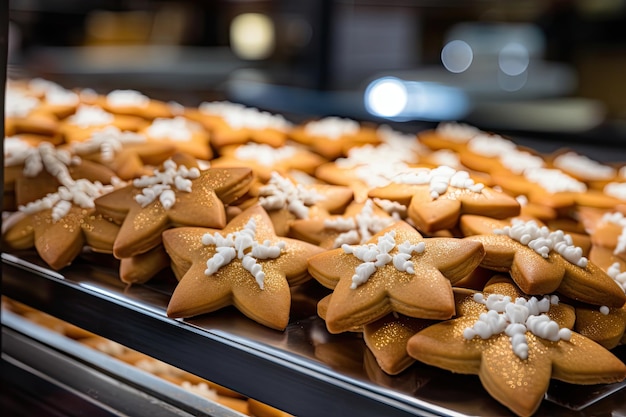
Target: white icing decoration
x=445, y=157
x=89, y=116
x=108, y=141
x=332, y=127
x=377, y=255
x=618, y=276
x=45, y=156
x=239, y=116
x=616, y=189
x=619, y=220
x=61, y=97
x=604, y=310
x=582, y=165
x=515, y=318
x=439, y=179
x=360, y=228
x=543, y=241
x=127, y=98
x=243, y=246
x=457, y=132
x=178, y=128
x=490, y=145
x=408, y=142
x=554, y=180
x=159, y=185
x=80, y=193
x=519, y=161
x=281, y=193
x=264, y=154
x=17, y=104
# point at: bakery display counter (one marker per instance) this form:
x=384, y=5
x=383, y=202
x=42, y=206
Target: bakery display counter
x=56, y=375
x=303, y=370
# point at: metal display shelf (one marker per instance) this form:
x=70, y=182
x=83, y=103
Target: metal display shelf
x=303, y=370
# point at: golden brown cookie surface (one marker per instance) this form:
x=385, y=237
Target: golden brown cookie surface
x=245, y=265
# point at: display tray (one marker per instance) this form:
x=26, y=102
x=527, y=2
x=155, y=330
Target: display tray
x=303, y=370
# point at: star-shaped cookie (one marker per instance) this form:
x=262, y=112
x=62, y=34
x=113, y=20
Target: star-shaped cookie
x=398, y=270
x=437, y=197
x=516, y=358
x=546, y=262
x=173, y=196
x=356, y=225
x=218, y=268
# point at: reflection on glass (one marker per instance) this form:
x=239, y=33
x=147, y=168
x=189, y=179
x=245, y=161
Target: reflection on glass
x=457, y=56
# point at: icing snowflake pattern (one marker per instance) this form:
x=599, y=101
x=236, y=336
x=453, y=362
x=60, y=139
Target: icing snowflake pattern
x=360, y=228
x=543, y=241
x=108, y=142
x=160, y=184
x=243, y=246
x=280, y=192
x=377, y=255
x=515, y=318
x=81, y=193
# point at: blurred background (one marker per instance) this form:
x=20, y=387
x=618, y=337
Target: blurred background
x=547, y=71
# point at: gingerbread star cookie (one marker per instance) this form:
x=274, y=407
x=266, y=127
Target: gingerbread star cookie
x=134, y=103
x=516, y=345
x=88, y=119
x=63, y=222
x=356, y=225
x=437, y=197
x=543, y=261
x=387, y=338
x=181, y=133
x=333, y=136
x=397, y=270
x=286, y=200
x=265, y=159
x=449, y=136
x=245, y=265
x=173, y=196
x=369, y=166
x=236, y=124
x=128, y=154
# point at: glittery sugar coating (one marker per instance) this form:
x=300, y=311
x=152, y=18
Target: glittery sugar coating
x=197, y=293
x=535, y=274
x=426, y=293
x=141, y=227
x=519, y=384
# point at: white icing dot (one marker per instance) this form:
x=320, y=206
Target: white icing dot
x=604, y=310
x=618, y=276
x=243, y=246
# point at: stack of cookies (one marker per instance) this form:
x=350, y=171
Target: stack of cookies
x=454, y=247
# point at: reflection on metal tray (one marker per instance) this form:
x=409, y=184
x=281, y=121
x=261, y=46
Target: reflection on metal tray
x=304, y=370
